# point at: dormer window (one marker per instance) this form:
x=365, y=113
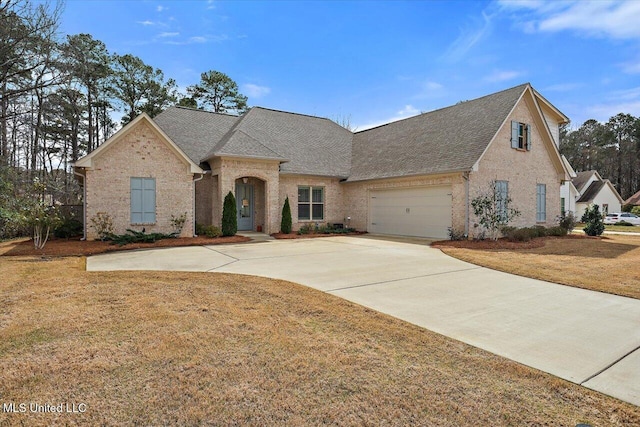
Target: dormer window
x=520, y=136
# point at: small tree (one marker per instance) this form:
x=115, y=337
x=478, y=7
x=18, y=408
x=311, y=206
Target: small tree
x=493, y=209
x=592, y=218
x=229, y=216
x=286, y=223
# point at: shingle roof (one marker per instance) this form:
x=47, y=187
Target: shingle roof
x=237, y=143
x=633, y=200
x=194, y=131
x=581, y=179
x=449, y=139
x=313, y=145
x=591, y=192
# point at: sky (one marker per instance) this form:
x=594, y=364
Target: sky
x=372, y=62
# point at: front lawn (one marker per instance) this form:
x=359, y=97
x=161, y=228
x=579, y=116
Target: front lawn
x=158, y=348
x=607, y=264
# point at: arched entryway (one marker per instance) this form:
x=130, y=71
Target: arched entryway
x=250, y=203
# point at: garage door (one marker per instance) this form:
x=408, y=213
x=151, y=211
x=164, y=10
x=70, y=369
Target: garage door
x=422, y=211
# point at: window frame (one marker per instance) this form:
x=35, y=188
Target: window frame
x=541, y=202
x=311, y=203
x=146, y=195
x=520, y=136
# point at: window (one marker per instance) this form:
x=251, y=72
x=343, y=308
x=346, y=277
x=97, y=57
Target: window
x=605, y=208
x=310, y=203
x=562, y=206
x=541, y=202
x=143, y=200
x=502, y=194
x=520, y=136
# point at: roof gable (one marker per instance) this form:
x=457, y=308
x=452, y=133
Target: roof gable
x=444, y=140
x=311, y=145
x=87, y=161
x=596, y=188
x=633, y=200
x=582, y=178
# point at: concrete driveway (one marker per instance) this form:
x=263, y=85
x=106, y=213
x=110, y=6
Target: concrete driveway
x=589, y=338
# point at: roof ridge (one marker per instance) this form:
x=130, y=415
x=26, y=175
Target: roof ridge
x=523, y=85
x=293, y=113
x=182, y=107
x=258, y=142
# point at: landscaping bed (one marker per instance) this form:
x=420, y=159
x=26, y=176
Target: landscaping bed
x=76, y=247
x=313, y=235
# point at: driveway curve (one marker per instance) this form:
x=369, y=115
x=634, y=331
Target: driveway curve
x=586, y=337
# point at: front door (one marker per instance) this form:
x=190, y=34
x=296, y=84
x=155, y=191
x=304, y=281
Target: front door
x=244, y=200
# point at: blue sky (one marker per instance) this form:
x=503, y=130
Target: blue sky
x=377, y=61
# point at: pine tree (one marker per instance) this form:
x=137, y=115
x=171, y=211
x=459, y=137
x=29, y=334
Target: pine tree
x=285, y=224
x=229, y=216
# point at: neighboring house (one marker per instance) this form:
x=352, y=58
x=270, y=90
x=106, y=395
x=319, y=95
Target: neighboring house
x=413, y=177
x=568, y=192
x=633, y=200
x=592, y=189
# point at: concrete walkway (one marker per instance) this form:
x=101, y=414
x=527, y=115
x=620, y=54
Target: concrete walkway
x=589, y=338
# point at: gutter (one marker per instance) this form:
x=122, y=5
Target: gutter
x=84, y=202
x=465, y=176
x=193, y=203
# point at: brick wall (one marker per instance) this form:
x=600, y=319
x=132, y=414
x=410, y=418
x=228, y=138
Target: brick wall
x=139, y=153
x=333, y=198
x=522, y=169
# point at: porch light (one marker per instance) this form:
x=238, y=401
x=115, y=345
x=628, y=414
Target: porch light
x=245, y=179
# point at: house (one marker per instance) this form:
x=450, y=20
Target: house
x=592, y=189
x=568, y=192
x=413, y=177
x=633, y=200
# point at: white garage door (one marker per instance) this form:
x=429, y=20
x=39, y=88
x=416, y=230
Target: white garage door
x=422, y=211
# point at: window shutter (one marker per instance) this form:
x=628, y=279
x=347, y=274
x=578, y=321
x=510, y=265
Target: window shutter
x=528, y=138
x=514, y=134
x=136, y=200
x=149, y=201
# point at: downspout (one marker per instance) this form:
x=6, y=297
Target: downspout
x=465, y=176
x=193, y=203
x=84, y=203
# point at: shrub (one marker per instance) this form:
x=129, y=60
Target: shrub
x=306, y=229
x=624, y=224
x=69, y=227
x=177, y=222
x=538, y=231
x=286, y=223
x=593, y=221
x=455, y=234
x=557, y=230
x=568, y=221
x=229, y=216
x=521, y=235
x=493, y=210
x=627, y=208
x=635, y=210
x=103, y=224
x=133, y=236
x=210, y=231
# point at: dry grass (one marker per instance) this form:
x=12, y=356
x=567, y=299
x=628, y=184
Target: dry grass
x=141, y=348
x=608, y=264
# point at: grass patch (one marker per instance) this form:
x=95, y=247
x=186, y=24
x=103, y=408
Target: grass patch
x=608, y=264
x=158, y=348
x=622, y=228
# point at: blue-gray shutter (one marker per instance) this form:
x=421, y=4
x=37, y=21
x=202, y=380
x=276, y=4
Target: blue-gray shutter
x=143, y=200
x=528, y=137
x=149, y=201
x=514, y=133
x=136, y=200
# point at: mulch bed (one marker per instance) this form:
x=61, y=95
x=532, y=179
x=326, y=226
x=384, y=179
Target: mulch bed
x=503, y=243
x=77, y=247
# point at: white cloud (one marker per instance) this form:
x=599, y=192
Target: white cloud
x=502, y=75
x=168, y=34
x=160, y=8
x=255, y=91
x=197, y=39
x=632, y=67
x=432, y=86
x=468, y=38
x=146, y=23
x=603, y=112
x=406, y=112
x=617, y=20
x=211, y=4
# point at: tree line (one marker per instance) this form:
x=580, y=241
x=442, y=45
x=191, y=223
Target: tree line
x=58, y=94
x=611, y=148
